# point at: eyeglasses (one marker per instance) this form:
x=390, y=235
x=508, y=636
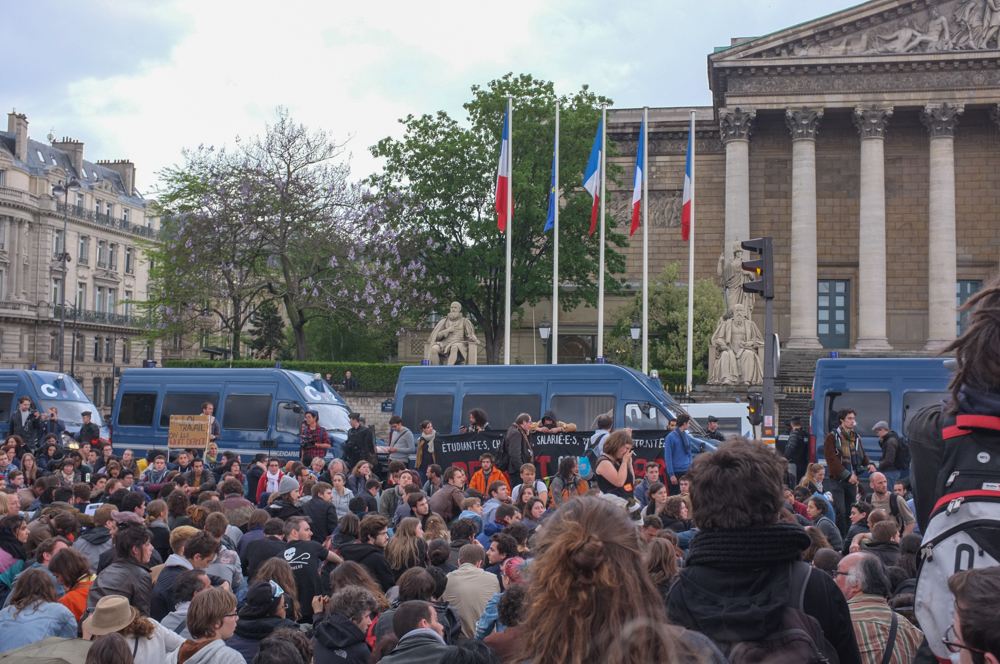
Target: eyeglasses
x=836, y=572
x=232, y=615
x=276, y=590
x=949, y=642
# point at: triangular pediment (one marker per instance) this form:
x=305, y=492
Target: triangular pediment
x=894, y=28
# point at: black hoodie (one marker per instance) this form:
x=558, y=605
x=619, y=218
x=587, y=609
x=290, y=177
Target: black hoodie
x=248, y=634
x=373, y=559
x=338, y=640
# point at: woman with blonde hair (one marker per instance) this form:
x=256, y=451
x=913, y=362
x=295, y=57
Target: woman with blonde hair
x=29, y=467
x=279, y=571
x=614, y=473
x=813, y=479
x=406, y=547
x=9, y=505
x=592, y=598
x=435, y=528
x=148, y=641
x=211, y=619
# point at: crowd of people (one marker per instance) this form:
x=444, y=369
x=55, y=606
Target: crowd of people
x=192, y=558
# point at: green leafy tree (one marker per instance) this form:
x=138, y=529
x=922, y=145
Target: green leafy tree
x=447, y=173
x=267, y=336
x=668, y=302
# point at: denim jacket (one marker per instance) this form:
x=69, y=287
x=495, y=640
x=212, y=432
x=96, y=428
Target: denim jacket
x=35, y=623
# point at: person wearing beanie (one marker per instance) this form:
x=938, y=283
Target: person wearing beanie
x=262, y=613
x=281, y=504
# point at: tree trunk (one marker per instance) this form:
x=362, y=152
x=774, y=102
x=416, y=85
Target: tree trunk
x=237, y=328
x=298, y=324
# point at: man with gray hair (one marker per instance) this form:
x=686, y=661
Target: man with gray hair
x=863, y=580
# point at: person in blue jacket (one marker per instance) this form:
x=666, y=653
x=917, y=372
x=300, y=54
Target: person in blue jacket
x=677, y=454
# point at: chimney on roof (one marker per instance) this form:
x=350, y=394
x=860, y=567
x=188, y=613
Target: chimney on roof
x=75, y=151
x=17, y=124
x=126, y=169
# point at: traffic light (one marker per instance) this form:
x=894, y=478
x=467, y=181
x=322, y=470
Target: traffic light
x=755, y=413
x=763, y=267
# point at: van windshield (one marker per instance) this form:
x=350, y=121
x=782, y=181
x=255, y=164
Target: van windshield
x=331, y=418
x=69, y=411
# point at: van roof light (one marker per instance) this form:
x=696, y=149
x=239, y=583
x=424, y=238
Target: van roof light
x=317, y=376
x=60, y=377
x=653, y=373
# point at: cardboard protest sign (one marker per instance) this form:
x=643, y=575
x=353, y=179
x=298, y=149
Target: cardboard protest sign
x=188, y=432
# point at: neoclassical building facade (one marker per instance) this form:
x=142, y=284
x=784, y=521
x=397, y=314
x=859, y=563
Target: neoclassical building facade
x=107, y=227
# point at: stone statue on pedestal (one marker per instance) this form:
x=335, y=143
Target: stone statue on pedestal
x=453, y=340
x=733, y=277
x=736, y=350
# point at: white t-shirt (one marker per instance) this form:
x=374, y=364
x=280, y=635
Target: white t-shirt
x=539, y=487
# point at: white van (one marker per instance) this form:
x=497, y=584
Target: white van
x=732, y=417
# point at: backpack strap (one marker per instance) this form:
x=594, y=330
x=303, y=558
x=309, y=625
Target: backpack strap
x=891, y=643
x=799, y=578
x=966, y=423
x=893, y=504
x=180, y=627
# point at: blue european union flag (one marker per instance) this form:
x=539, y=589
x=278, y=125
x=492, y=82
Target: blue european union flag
x=553, y=198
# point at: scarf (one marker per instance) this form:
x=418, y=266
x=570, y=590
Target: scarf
x=429, y=439
x=849, y=442
x=156, y=476
x=752, y=548
x=272, y=481
x=12, y=545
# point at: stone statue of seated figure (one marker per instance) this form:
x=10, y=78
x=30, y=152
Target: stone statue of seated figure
x=453, y=340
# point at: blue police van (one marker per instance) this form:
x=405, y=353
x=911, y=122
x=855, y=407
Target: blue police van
x=878, y=389
x=577, y=393
x=47, y=389
x=258, y=410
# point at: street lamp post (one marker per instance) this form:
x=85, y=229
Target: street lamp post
x=544, y=330
x=63, y=190
x=636, y=331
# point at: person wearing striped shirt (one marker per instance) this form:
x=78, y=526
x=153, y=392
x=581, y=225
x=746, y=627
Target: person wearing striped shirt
x=863, y=580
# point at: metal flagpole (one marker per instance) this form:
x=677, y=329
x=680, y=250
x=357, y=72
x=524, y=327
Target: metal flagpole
x=600, y=285
x=645, y=241
x=555, y=256
x=690, y=345
x=510, y=223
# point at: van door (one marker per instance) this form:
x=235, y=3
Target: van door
x=430, y=401
x=8, y=392
x=582, y=402
x=245, y=416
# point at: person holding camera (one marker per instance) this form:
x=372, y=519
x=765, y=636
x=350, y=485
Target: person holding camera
x=25, y=422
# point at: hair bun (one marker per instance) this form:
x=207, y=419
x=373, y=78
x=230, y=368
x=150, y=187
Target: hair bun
x=587, y=554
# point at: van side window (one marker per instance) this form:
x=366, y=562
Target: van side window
x=644, y=416
x=870, y=407
x=437, y=408
x=290, y=417
x=583, y=409
x=914, y=401
x=6, y=402
x=247, y=412
x=501, y=409
x=184, y=404
x=137, y=409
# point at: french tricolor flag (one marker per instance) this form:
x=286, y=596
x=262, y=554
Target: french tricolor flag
x=592, y=177
x=688, y=200
x=503, y=176
x=639, y=175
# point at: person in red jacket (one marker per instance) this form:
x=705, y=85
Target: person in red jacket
x=269, y=481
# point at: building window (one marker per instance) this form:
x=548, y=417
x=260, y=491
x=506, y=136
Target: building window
x=963, y=291
x=83, y=250
x=81, y=297
x=79, y=348
x=102, y=253
x=112, y=300
x=97, y=206
x=97, y=349
x=3, y=230
x=54, y=346
x=57, y=291
x=109, y=391
x=109, y=353
x=128, y=303
x=149, y=352
x=3, y=178
x=109, y=209
x=1, y=284
x=57, y=244
x=113, y=256
x=97, y=392
x=99, y=299
x=129, y=261
x=126, y=352
x=126, y=214
x=79, y=199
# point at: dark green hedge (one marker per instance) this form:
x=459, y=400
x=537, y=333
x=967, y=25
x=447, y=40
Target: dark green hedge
x=370, y=376
x=673, y=381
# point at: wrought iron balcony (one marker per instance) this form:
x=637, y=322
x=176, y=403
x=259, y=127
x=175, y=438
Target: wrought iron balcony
x=79, y=212
x=102, y=317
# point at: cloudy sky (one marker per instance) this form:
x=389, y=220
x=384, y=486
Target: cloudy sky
x=143, y=80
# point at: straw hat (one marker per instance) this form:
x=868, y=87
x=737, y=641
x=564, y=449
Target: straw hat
x=112, y=614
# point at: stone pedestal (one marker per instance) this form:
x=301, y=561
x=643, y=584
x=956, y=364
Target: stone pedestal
x=803, y=124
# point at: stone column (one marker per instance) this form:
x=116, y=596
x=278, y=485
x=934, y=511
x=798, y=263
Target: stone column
x=803, y=124
x=871, y=249
x=734, y=127
x=942, y=273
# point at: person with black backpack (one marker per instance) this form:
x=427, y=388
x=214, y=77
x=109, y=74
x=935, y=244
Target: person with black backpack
x=895, y=452
x=956, y=479
x=744, y=584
